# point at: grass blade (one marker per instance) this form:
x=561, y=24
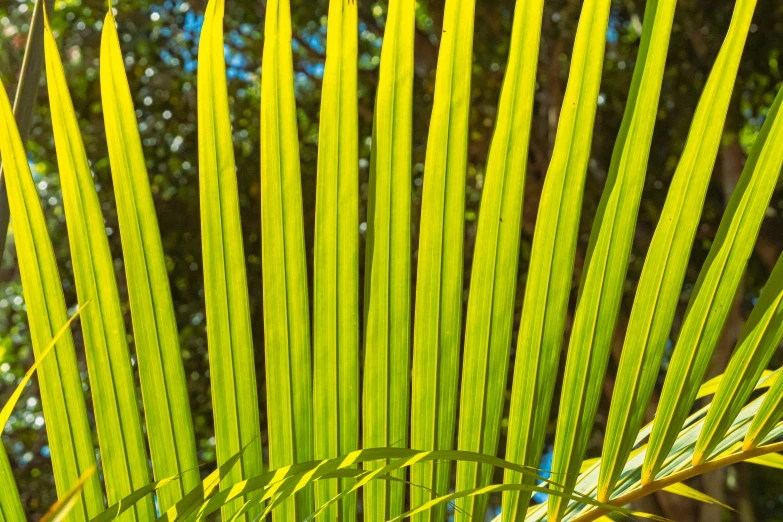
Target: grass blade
x=758, y=341
x=388, y=257
x=437, y=324
x=552, y=257
x=336, y=277
x=490, y=314
x=606, y=262
x=232, y=368
x=123, y=455
x=716, y=286
x=667, y=260
x=24, y=100
x=62, y=397
x=286, y=313
x=169, y=423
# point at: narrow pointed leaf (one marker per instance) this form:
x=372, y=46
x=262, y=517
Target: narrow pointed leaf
x=388, y=256
x=490, y=314
x=610, y=244
x=10, y=504
x=286, y=313
x=717, y=285
x=123, y=453
x=437, y=324
x=60, y=510
x=694, y=494
x=552, y=256
x=62, y=396
x=8, y=407
x=231, y=359
x=774, y=460
x=758, y=341
x=336, y=278
x=664, y=269
x=163, y=383
x=769, y=414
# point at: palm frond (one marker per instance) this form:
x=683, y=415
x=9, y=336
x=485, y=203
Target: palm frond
x=164, y=389
x=231, y=358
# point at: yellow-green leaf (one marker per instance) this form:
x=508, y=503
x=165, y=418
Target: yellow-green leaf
x=162, y=376
x=385, y=394
x=62, y=395
x=336, y=265
x=664, y=269
x=552, y=256
x=757, y=343
x=717, y=285
x=606, y=262
x=286, y=312
x=438, y=314
x=490, y=313
x=229, y=335
x=123, y=452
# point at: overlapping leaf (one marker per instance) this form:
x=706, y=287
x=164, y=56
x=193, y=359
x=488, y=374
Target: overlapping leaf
x=123, y=453
x=385, y=393
x=286, y=312
x=552, y=257
x=490, y=312
x=661, y=279
x=62, y=396
x=336, y=278
x=437, y=324
x=717, y=284
x=231, y=358
x=166, y=406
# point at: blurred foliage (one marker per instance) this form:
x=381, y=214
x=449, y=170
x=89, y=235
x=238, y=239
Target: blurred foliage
x=160, y=40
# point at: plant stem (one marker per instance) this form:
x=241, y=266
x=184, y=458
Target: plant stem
x=681, y=476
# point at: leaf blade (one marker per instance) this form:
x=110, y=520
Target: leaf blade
x=286, y=312
x=117, y=419
x=716, y=286
x=161, y=371
x=608, y=251
x=229, y=335
x=336, y=264
x=61, y=388
x=490, y=311
x=388, y=254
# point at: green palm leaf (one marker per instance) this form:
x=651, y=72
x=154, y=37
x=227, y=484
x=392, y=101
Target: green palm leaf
x=25, y=99
x=62, y=397
x=552, y=257
x=286, y=314
x=758, y=341
x=10, y=504
x=717, y=285
x=769, y=415
x=169, y=423
x=232, y=365
x=610, y=243
x=667, y=260
x=336, y=278
x=494, y=273
x=123, y=454
x=437, y=324
x=385, y=394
